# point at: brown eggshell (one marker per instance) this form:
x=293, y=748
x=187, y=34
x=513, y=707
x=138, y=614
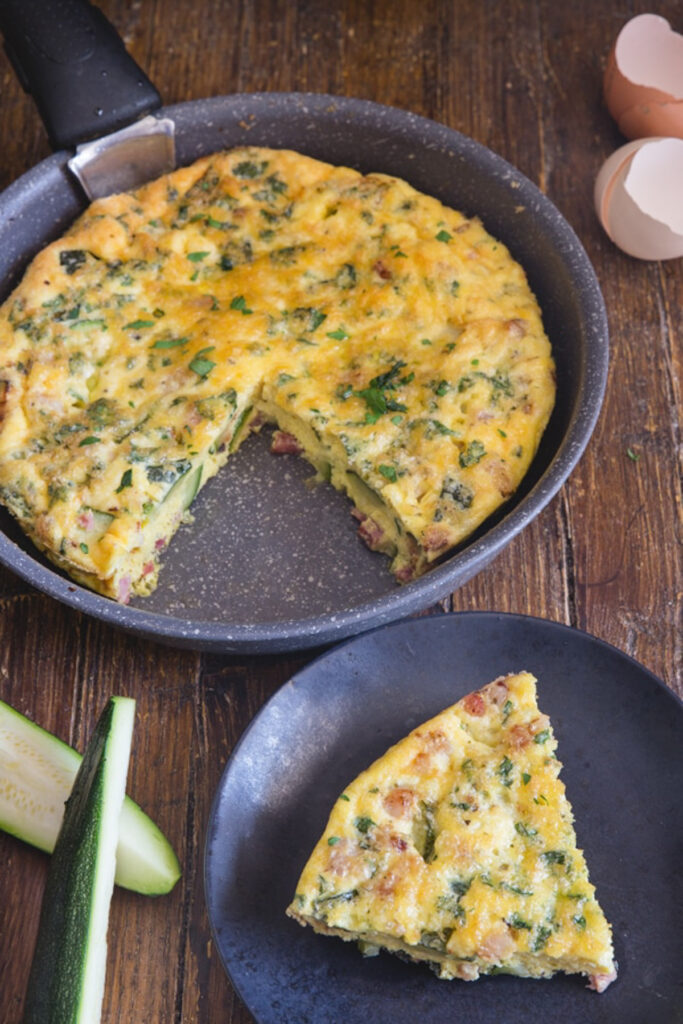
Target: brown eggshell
x=647, y=119
x=643, y=82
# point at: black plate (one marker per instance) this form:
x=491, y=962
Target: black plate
x=620, y=739
x=268, y=565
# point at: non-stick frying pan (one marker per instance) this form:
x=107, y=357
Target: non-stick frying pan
x=269, y=565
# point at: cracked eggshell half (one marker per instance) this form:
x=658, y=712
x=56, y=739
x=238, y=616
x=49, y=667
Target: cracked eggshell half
x=643, y=83
x=639, y=198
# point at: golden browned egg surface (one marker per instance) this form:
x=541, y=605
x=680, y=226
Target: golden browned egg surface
x=391, y=340
x=457, y=848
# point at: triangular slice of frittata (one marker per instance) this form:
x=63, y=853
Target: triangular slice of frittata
x=457, y=847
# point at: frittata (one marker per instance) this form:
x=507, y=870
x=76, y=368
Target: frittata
x=457, y=848
x=391, y=340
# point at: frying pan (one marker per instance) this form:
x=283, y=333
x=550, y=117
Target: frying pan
x=269, y=565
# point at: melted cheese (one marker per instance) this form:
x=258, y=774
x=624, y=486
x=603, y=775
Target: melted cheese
x=457, y=847
x=395, y=338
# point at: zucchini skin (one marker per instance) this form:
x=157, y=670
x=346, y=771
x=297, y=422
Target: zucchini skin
x=145, y=862
x=66, y=982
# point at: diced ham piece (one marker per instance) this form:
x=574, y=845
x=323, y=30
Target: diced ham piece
x=123, y=594
x=497, y=691
x=86, y=520
x=474, y=704
x=369, y=531
x=435, y=538
x=599, y=982
x=147, y=568
x=496, y=945
x=399, y=802
x=520, y=736
x=285, y=444
x=382, y=270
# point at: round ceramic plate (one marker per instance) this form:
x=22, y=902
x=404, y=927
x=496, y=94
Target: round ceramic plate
x=619, y=731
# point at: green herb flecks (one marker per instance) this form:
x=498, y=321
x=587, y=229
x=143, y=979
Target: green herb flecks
x=364, y=824
x=474, y=452
x=525, y=830
x=541, y=938
x=200, y=364
x=460, y=494
x=389, y=473
x=240, y=303
x=197, y=257
x=71, y=260
x=377, y=395
x=443, y=236
x=126, y=481
x=339, y=334
x=88, y=440
x=518, y=923
x=504, y=771
x=346, y=277
x=249, y=169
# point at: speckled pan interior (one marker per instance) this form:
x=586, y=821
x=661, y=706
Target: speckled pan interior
x=270, y=564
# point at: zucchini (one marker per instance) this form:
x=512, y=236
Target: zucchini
x=66, y=982
x=37, y=771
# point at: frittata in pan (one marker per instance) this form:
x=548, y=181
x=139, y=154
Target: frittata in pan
x=391, y=340
x=457, y=848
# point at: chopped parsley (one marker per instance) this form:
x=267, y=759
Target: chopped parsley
x=71, y=260
x=240, y=303
x=389, y=473
x=200, y=365
x=474, y=452
x=88, y=440
x=338, y=335
x=249, y=169
x=504, y=771
x=518, y=923
x=525, y=830
x=332, y=840
x=443, y=236
x=364, y=824
x=197, y=257
x=126, y=481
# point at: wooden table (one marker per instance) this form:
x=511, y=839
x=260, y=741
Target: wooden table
x=604, y=556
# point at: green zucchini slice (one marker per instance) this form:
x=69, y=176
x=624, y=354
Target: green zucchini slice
x=66, y=983
x=37, y=771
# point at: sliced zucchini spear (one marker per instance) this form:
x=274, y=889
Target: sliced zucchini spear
x=66, y=983
x=37, y=771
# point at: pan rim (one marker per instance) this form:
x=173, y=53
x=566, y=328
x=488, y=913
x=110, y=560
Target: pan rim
x=313, y=631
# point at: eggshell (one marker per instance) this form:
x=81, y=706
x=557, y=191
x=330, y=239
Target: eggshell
x=643, y=82
x=639, y=198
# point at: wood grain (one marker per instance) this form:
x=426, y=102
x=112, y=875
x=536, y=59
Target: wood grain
x=523, y=78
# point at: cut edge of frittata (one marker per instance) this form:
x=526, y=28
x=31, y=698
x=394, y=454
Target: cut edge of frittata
x=457, y=848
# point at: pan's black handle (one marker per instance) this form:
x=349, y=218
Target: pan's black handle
x=71, y=59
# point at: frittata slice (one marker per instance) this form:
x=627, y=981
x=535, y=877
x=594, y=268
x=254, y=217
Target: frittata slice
x=457, y=848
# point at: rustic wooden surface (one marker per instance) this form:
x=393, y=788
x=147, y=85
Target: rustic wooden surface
x=605, y=556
